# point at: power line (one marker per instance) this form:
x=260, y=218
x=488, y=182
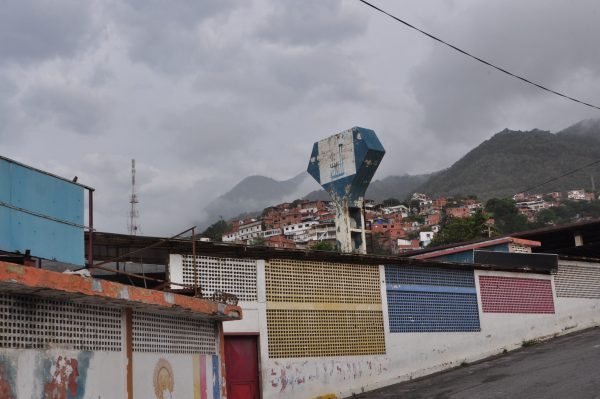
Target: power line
x=561, y=176
x=477, y=58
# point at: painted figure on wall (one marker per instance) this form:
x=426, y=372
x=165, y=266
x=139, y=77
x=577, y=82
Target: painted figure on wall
x=6, y=382
x=163, y=379
x=64, y=379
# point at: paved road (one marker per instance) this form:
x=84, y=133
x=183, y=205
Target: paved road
x=565, y=367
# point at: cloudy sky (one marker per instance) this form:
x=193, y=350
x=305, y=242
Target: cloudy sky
x=204, y=93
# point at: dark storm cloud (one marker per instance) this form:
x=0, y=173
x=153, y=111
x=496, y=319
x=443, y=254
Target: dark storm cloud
x=205, y=93
x=74, y=109
x=545, y=42
x=216, y=132
x=7, y=91
x=172, y=38
x=313, y=22
x=33, y=31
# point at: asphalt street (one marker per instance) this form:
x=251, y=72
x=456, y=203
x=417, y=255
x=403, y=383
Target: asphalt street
x=563, y=367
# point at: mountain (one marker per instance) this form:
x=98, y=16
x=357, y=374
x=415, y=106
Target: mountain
x=585, y=128
x=254, y=193
x=509, y=162
x=514, y=161
x=398, y=187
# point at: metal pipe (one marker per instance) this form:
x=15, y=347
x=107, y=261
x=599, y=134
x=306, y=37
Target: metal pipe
x=116, y=258
x=194, y=261
x=41, y=215
x=91, y=228
x=129, y=350
x=108, y=269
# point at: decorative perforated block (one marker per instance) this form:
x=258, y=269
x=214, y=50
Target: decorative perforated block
x=431, y=300
x=515, y=295
x=294, y=281
x=172, y=334
x=309, y=333
x=29, y=322
x=234, y=276
x=323, y=309
x=577, y=282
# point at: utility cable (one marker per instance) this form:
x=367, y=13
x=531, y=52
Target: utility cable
x=477, y=58
x=561, y=176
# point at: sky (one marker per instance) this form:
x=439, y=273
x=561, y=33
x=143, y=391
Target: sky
x=205, y=93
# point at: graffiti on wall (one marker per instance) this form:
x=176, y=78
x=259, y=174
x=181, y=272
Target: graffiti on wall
x=164, y=381
x=65, y=376
x=289, y=375
x=7, y=379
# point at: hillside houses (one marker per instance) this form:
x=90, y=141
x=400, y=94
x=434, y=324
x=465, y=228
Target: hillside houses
x=302, y=224
x=393, y=227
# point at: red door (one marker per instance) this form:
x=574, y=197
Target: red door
x=241, y=365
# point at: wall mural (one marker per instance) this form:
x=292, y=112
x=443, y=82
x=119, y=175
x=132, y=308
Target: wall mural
x=7, y=379
x=65, y=377
x=164, y=380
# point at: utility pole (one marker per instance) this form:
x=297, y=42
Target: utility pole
x=133, y=221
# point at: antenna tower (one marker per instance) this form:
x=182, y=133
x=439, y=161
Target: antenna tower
x=133, y=224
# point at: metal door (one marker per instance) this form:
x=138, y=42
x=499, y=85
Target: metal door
x=241, y=365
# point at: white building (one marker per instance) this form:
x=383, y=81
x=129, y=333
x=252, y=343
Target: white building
x=298, y=228
x=391, y=210
x=425, y=237
x=248, y=231
x=576, y=195
x=533, y=205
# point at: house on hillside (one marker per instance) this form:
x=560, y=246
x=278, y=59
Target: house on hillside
x=576, y=195
x=458, y=212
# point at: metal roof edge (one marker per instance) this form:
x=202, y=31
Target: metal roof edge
x=46, y=173
x=32, y=280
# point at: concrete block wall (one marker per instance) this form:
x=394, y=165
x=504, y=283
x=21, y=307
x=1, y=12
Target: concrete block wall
x=57, y=348
x=412, y=355
x=514, y=307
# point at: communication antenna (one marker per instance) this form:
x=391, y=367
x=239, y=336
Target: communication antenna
x=133, y=221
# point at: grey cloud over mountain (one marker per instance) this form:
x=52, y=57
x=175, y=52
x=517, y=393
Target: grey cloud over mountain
x=205, y=93
x=546, y=42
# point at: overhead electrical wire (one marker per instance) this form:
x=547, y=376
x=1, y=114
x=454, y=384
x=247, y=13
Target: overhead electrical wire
x=477, y=58
x=561, y=176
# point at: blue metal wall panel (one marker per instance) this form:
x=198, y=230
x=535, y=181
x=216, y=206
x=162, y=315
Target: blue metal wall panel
x=49, y=221
x=466, y=256
x=429, y=276
x=431, y=300
x=460, y=257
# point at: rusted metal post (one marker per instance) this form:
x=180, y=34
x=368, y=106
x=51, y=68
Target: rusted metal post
x=129, y=350
x=194, y=261
x=221, y=335
x=91, y=228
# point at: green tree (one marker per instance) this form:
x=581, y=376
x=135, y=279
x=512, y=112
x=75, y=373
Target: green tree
x=216, y=230
x=323, y=246
x=462, y=229
x=506, y=215
x=259, y=240
x=297, y=202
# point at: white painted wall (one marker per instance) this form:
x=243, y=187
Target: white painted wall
x=186, y=375
x=100, y=374
x=411, y=355
x=408, y=355
x=249, y=322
